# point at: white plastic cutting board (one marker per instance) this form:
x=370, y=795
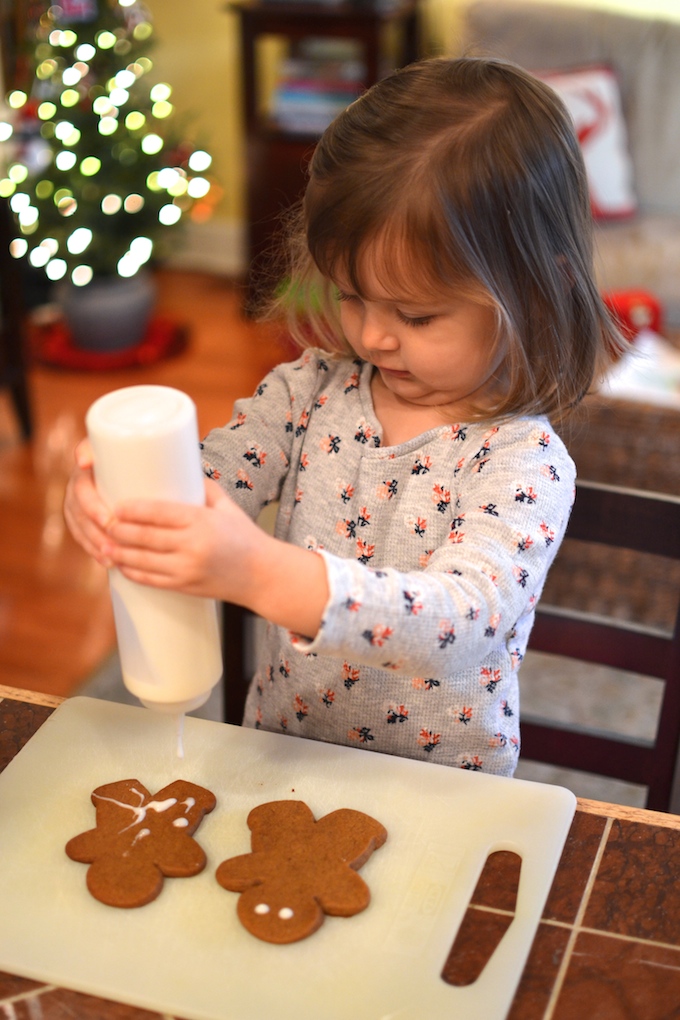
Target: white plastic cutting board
x=186, y=953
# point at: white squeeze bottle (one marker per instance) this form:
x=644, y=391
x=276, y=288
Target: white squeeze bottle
x=145, y=446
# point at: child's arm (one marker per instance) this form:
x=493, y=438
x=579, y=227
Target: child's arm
x=217, y=551
x=265, y=581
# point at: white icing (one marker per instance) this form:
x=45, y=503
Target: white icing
x=161, y=805
x=180, y=823
x=262, y=908
x=180, y=736
x=285, y=913
x=140, y=835
x=140, y=811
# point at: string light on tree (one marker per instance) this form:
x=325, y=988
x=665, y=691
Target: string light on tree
x=97, y=180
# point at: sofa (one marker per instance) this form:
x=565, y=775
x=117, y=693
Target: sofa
x=626, y=442
x=639, y=250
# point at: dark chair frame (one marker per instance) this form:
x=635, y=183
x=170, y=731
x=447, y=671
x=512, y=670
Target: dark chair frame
x=13, y=360
x=235, y=625
x=644, y=522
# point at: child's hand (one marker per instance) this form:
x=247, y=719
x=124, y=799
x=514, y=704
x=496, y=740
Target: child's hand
x=198, y=550
x=87, y=516
x=217, y=551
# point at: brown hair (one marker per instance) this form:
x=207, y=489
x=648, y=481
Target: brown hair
x=461, y=176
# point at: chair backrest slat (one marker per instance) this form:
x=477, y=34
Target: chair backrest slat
x=630, y=650
x=625, y=760
x=645, y=523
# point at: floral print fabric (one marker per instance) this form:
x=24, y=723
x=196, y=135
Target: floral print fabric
x=436, y=551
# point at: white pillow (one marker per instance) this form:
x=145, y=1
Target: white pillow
x=592, y=96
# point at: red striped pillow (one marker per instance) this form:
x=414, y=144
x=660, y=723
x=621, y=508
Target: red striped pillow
x=592, y=96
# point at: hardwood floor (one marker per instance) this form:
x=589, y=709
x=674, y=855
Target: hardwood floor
x=56, y=624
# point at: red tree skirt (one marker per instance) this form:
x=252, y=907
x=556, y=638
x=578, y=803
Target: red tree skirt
x=52, y=345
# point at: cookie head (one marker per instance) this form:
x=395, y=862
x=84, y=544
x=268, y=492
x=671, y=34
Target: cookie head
x=272, y=918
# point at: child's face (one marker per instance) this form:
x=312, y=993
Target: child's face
x=430, y=353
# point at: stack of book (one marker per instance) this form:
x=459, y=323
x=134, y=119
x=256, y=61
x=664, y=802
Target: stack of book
x=311, y=92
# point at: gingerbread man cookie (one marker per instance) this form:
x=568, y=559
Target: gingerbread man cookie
x=300, y=869
x=139, y=840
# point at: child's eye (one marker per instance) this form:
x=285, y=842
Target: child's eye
x=343, y=296
x=414, y=320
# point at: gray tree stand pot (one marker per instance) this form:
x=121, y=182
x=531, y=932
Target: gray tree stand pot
x=110, y=313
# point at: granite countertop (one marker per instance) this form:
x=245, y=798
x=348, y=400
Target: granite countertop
x=608, y=945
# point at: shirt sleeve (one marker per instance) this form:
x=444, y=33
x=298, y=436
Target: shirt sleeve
x=250, y=455
x=480, y=587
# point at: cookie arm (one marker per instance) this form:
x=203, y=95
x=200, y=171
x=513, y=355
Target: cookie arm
x=85, y=846
x=342, y=893
x=353, y=835
x=239, y=873
x=178, y=855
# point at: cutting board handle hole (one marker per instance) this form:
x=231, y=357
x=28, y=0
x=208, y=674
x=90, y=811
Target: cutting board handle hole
x=488, y=916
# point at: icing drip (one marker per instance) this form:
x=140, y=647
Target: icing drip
x=140, y=811
x=180, y=735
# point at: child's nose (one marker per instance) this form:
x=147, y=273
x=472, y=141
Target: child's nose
x=377, y=331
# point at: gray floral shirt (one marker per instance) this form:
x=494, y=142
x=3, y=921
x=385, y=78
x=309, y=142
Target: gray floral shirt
x=436, y=550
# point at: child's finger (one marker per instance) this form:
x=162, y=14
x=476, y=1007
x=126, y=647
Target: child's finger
x=83, y=454
x=86, y=500
x=148, y=564
x=85, y=514
x=136, y=535
x=143, y=571
x=147, y=578
x=87, y=534
x=215, y=494
x=161, y=513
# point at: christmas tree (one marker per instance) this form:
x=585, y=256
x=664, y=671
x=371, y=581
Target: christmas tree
x=95, y=177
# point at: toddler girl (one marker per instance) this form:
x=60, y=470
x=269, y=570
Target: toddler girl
x=441, y=283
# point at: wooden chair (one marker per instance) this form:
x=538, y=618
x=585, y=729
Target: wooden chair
x=622, y=519
x=239, y=628
x=236, y=625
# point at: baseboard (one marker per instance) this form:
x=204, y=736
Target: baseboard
x=217, y=246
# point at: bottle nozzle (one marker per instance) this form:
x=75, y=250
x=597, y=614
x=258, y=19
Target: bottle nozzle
x=177, y=707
